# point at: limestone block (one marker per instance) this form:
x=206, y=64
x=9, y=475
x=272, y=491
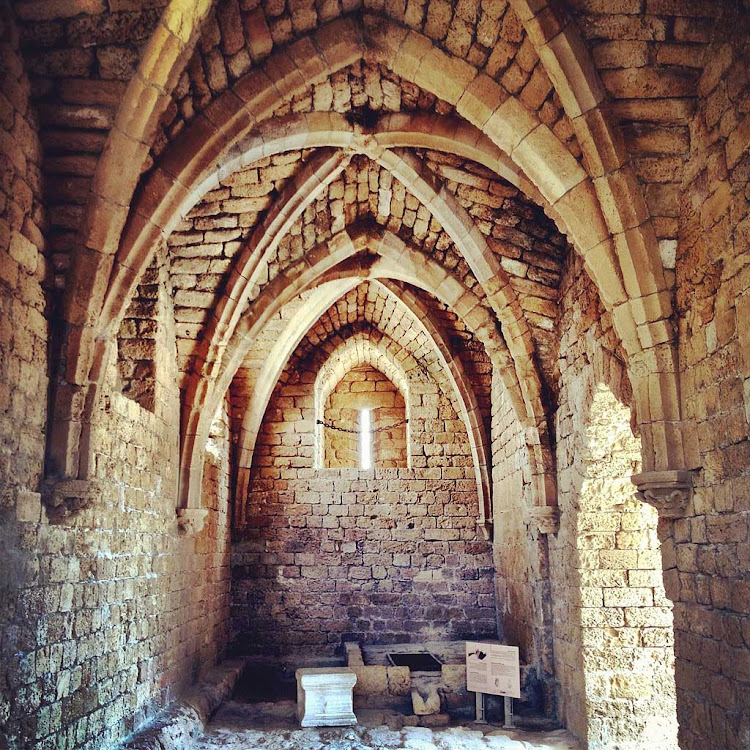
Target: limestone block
x=324, y=697
x=399, y=680
x=454, y=676
x=371, y=680
x=426, y=704
x=29, y=506
x=353, y=655
x=434, y=720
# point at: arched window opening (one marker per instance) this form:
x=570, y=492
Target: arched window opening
x=626, y=696
x=364, y=422
x=365, y=440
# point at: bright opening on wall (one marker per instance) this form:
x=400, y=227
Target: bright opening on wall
x=365, y=439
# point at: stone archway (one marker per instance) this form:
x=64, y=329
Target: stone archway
x=559, y=178
x=613, y=623
x=319, y=300
x=346, y=554
x=396, y=260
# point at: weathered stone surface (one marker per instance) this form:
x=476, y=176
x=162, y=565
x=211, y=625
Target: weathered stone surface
x=104, y=169
x=183, y=723
x=241, y=725
x=324, y=697
x=425, y=701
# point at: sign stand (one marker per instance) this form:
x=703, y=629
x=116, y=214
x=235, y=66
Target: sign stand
x=480, y=710
x=493, y=669
x=508, y=703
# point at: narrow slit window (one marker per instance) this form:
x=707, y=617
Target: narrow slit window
x=365, y=440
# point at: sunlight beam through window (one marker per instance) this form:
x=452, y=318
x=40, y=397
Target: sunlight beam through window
x=365, y=440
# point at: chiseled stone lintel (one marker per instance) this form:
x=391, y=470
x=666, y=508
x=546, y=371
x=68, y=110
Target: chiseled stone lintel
x=669, y=492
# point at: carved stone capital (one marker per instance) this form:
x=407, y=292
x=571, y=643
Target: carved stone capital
x=66, y=497
x=668, y=491
x=546, y=518
x=190, y=520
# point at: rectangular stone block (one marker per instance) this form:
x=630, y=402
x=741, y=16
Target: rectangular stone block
x=324, y=697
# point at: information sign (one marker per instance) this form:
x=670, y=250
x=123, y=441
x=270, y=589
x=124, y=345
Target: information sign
x=493, y=669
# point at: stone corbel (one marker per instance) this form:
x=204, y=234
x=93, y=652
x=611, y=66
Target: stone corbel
x=546, y=518
x=485, y=527
x=190, y=520
x=669, y=492
x=66, y=497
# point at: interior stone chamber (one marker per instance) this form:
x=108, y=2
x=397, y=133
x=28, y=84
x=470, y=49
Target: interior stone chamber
x=330, y=328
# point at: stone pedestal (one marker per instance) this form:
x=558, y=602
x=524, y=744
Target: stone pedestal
x=324, y=697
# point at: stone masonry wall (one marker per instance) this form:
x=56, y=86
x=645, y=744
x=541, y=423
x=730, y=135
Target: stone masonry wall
x=126, y=612
x=383, y=556
x=23, y=369
x=287, y=436
x=107, y=614
x=520, y=554
x=132, y=612
x=707, y=553
x=374, y=556
x=612, y=622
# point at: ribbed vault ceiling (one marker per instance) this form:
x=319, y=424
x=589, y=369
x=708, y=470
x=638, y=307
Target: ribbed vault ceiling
x=283, y=140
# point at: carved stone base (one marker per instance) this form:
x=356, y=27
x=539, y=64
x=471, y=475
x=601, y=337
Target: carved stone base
x=67, y=497
x=324, y=697
x=190, y=520
x=669, y=492
x=546, y=518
